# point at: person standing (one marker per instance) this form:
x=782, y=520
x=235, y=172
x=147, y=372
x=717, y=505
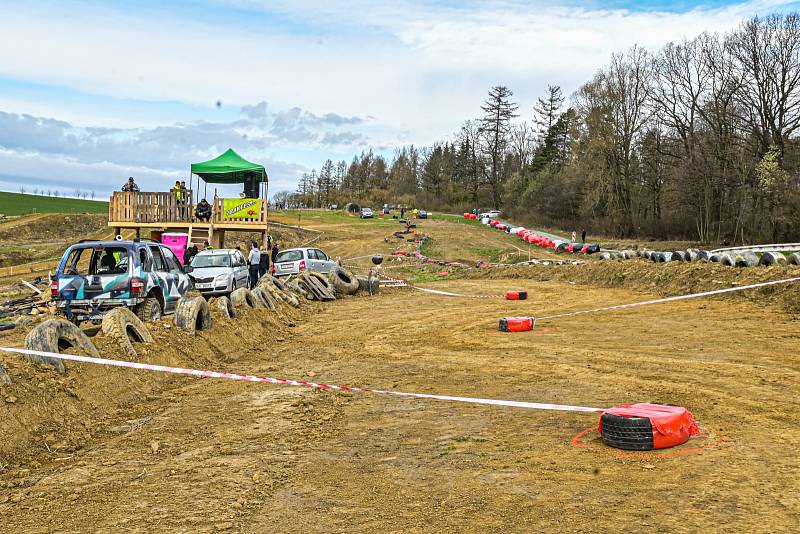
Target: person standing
x=402, y=212
x=583, y=235
x=274, y=253
x=254, y=258
x=263, y=265
x=130, y=186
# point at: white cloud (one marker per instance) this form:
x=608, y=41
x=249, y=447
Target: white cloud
x=342, y=73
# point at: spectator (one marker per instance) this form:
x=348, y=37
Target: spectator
x=402, y=212
x=583, y=235
x=207, y=245
x=190, y=253
x=255, y=260
x=130, y=186
x=263, y=265
x=275, y=250
x=203, y=211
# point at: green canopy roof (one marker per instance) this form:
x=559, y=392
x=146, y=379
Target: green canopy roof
x=228, y=168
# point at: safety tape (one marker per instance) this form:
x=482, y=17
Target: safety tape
x=299, y=383
x=673, y=299
x=436, y=291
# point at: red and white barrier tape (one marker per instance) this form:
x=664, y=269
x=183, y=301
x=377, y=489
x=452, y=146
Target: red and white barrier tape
x=672, y=299
x=437, y=291
x=300, y=383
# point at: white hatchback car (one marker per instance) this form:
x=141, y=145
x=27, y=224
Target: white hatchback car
x=297, y=260
x=218, y=271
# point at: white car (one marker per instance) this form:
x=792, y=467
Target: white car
x=491, y=214
x=297, y=260
x=366, y=213
x=218, y=271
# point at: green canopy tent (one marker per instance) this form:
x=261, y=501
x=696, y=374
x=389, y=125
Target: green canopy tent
x=229, y=168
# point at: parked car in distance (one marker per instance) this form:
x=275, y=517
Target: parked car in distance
x=366, y=213
x=491, y=214
x=218, y=271
x=94, y=277
x=297, y=260
x=422, y=214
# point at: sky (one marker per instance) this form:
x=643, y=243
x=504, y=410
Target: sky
x=93, y=92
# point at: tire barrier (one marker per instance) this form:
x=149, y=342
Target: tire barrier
x=322, y=278
x=7, y=326
x=192, y=315
x=344, y=282
x=55, y=335
x=368, y=285
x=746, y=259
x=772, y=258
x=264, y=298
x=224, y=305
x=516, y=295
x=242, y=297
x=125, y=327
x=277, y=282
x=678, y=255
x=645, y=426
x=727, y=260
x=794, y=258
x=516, y=324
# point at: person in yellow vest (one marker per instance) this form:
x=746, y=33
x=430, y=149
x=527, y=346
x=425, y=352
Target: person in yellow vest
x=176, y=190
x=415, y=212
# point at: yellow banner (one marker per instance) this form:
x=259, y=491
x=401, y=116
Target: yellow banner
x=241, y=208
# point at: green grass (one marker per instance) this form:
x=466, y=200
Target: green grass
x=22, y=204
x=492, y=255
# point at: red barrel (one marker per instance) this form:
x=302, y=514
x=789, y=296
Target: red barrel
x=516, y=295
x=516, y=324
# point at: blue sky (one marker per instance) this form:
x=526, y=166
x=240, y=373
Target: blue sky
x=92, y=92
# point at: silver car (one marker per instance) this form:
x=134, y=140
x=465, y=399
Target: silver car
x=296, y=260
x=218, y=271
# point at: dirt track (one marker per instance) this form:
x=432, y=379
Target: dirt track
x=112, y=449
x=197, y=455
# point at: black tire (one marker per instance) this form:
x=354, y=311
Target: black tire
x=56, y=335
x=277, y=282
x=243, y=297
x=125, y=327
x=149, y=310
x=7, y=326
x=629, y=433
x=746, y=259
x=772, y=258
x=369, y=286
x=794, y=258
x=225, y=307
x=192, y=315
x=344, y=282
x=264, y=298
x=322, y=278
x=727, y=260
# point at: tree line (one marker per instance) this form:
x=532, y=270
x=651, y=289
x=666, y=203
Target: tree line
x=697, y=140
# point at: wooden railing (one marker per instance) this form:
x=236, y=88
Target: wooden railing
x=158, y=207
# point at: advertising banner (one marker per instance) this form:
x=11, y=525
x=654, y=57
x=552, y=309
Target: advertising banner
x=241, y=208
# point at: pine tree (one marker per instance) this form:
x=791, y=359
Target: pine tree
x=547, y=110
x=498, y=110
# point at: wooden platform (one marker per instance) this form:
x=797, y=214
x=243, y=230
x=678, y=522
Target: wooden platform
x=151, y=214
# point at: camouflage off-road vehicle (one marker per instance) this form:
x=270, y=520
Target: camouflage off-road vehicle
x=96, y=276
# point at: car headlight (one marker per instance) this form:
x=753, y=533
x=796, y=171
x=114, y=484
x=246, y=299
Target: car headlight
x=221, y=278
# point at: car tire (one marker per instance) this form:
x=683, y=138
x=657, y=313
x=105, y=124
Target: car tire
x=125, y=327
x=264, y=298
x=149, y=310
x=56, y=335
x=225, y=307
x=772, y=258
x=322, y=278
x=628, y=433
x=242, y=297
x=344, y=282
x=368, y=285
x=192, y=315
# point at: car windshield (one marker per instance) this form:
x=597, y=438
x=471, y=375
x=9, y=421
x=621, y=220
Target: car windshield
x=97, y=261
x=211, y=260
x=289, y=255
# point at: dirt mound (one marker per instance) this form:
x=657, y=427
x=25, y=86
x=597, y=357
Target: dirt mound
x=665, y=279
x=64, y=411
x=53, y=227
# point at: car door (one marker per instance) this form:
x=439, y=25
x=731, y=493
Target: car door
x=182, y=282
x=161, y=276
x=325, y=263
x=240, y=273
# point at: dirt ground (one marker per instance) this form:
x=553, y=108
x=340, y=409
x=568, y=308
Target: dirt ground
x=112, y=449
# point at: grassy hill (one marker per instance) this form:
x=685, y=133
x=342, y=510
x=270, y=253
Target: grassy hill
x=21, y=204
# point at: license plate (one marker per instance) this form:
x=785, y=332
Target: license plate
x=286, y=267
x=203, y=286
